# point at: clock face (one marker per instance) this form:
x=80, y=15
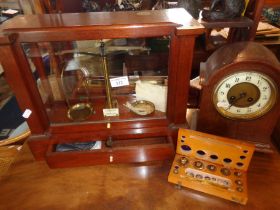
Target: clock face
x=245, y=95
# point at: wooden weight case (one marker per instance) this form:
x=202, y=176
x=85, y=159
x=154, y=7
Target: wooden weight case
x=212, y=164
x=39, y=54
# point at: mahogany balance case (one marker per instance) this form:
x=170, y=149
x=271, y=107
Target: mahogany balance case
x=131, y=138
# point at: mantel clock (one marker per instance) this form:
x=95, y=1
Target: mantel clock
x=240, y=93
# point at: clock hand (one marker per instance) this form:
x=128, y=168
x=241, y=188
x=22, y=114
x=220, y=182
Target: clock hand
x=232, y=102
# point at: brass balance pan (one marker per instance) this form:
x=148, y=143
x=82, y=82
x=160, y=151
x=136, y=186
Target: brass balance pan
x=142, y=107
x=80, y=111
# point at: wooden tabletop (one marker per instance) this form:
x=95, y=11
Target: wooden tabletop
x=32, y=185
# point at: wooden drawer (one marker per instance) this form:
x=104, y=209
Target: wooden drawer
x=122, y=151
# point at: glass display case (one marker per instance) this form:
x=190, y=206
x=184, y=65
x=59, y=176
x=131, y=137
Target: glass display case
x=102, y=80
x=103, y=87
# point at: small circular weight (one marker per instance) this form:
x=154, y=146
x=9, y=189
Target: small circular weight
x=225, y=171
x=198, y=164
x=238, y=182
x=237, y=173
x=198, y=176
x=211, y=168
x=239, y=189
x=176, y=170
x=184, y=160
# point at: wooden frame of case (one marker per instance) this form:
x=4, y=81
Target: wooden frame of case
x=176, y=23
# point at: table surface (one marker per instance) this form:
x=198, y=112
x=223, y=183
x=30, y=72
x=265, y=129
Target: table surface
x=30, y=184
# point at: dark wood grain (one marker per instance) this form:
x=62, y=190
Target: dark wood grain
x=236, y=23
x=102, y=25
x=32, y=185
x=254, y=12
x=276, y=135
x=123, y=151
x=181, y=48
x=272, y=3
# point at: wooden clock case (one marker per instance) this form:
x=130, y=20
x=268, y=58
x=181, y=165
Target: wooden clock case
x=134, y=139
x=242, y=56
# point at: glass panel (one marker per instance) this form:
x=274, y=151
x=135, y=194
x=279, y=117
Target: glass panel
x=101, y=80
x=12, y=124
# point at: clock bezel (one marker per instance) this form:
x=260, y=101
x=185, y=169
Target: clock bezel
x=253, y=115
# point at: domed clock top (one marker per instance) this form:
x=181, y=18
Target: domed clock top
x=240, y=93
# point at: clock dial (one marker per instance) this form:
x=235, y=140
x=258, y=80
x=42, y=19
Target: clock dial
x=245, y=95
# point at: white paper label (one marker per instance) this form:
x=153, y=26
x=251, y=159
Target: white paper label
x=111, y=112
x=119, y=81
x=26, y=114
